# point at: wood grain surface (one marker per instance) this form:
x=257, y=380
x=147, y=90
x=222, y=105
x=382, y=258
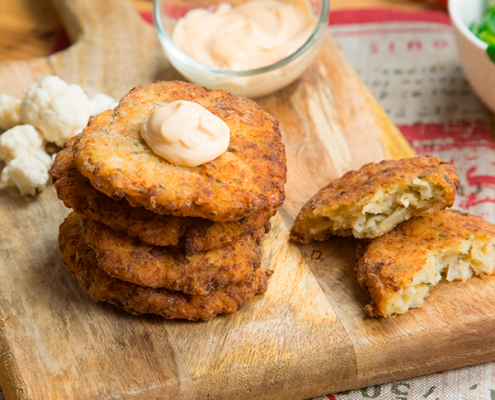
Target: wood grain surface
x=305, y=337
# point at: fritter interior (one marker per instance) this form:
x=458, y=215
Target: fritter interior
x=399, y=268
x=385, y=210
x=371, y=201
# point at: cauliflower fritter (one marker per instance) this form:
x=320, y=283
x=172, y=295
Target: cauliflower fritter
x=398, y=269
x=248, y=179
x=81, y=260
x=131, y=260
x=64, y=161
x=371, y=201
x=192, y=234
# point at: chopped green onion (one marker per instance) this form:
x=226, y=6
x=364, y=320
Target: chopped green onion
x=485, y=29
x=487, y=37
x=491, y=52
x=475, y=28
x=491, y=21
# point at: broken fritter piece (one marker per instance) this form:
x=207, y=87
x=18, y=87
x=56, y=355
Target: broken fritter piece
x=247, y=179
x=371, y=201
x=81, y=260
x=399, y=268
x=126, y=258
x=192, y=234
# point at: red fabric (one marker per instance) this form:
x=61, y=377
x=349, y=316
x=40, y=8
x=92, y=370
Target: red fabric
x=341, y=17
x=351, y=16
x=365, y=16
x=454, y=138
x=459, y=134
x=147, y=16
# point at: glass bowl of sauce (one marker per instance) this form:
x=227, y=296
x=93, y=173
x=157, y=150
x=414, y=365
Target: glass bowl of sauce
x=249, y=48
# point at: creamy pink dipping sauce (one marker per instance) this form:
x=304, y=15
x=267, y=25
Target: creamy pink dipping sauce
x=185, y=133
x=252, y=35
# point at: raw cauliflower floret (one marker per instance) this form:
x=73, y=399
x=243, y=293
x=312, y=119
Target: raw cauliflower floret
x=101, y=102
x=21, y=141
x=27, y=173
x=53, y=111
x=38, y=96
x=66, y=116
x=10, y=114
x=57, y=109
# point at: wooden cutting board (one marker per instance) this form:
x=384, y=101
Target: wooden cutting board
x=307, y=336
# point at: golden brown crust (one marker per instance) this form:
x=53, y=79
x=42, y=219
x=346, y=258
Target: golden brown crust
x=358, y=188
x=248, y=179
x=64, y=161
x=192, y=234
x=131, y=260
x=390, y=262
x=81, y=260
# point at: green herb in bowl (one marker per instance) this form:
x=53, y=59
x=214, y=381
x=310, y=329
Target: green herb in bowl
x=485, y=29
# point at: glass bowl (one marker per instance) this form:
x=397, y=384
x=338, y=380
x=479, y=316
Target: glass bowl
x=252, y=83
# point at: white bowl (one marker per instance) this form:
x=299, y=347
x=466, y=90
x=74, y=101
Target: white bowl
x=478, y=68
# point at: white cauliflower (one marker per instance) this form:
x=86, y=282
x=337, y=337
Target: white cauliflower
x=10, y=115
x=67, y=115
x=51, y=110
x=27, y=173
x=101, y=102
x=57, y=109
x=38, y=96
x=23, y=140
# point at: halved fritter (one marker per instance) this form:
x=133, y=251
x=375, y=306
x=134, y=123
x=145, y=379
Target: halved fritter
x=398, y=269
x=192, y=234
x=131, y=260
x=248, y=179
x=81, y=260
x=371, y=201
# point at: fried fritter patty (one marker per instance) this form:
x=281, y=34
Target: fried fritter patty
x=131, y=260
x=81, y=260
x=247, y=179
x=398, y=269
x=371, y=201
x=192, y=234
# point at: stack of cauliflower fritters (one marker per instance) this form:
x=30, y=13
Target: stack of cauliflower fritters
x=152, y=237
